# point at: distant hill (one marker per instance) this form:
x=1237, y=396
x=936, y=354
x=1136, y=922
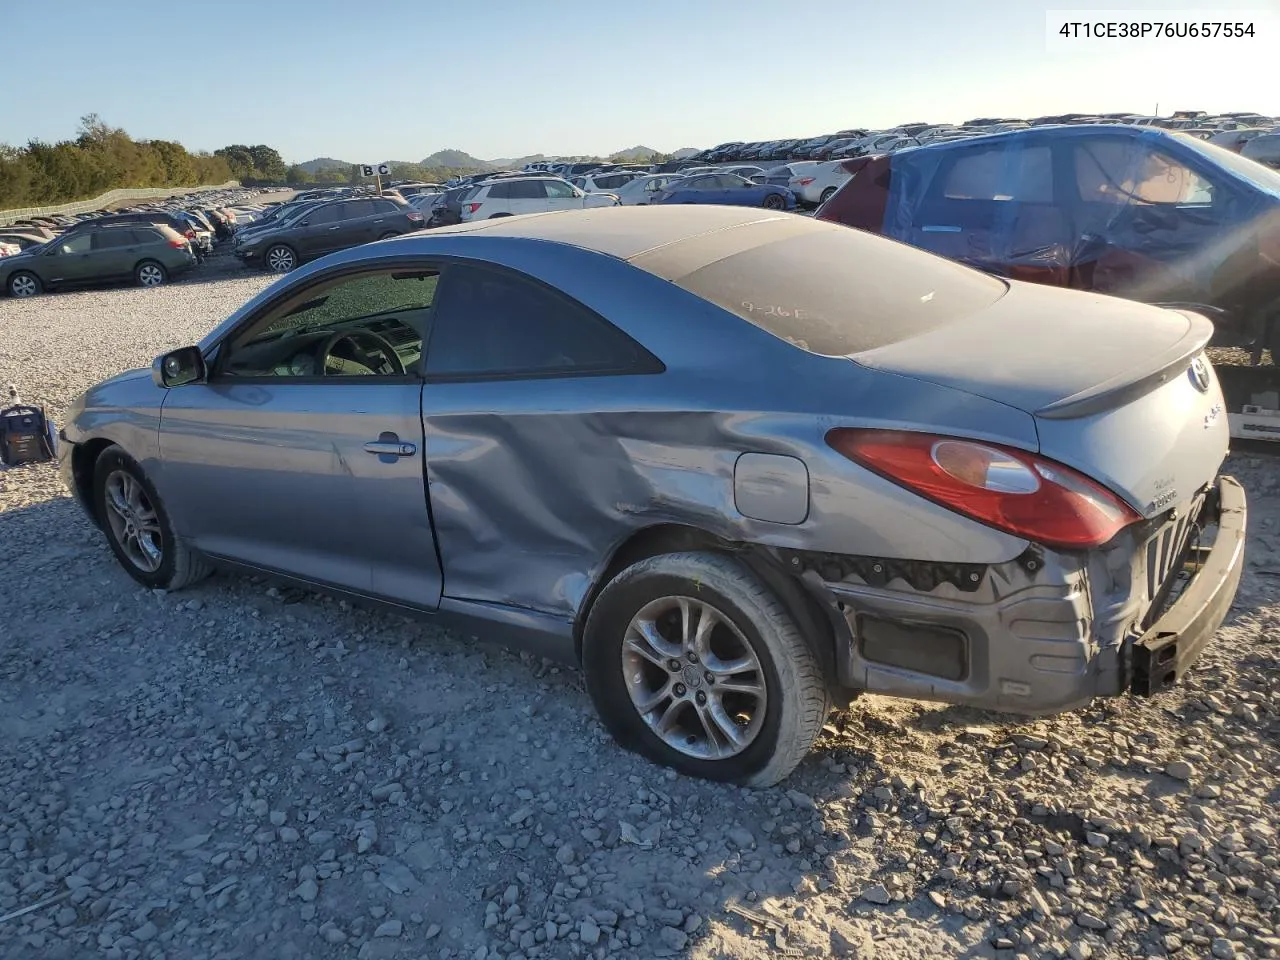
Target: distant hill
x=324, y=163
x=518, y=163
x=684, y=153
x=635, y=153
x=455, y=159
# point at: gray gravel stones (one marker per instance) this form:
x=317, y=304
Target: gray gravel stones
x=246, y=770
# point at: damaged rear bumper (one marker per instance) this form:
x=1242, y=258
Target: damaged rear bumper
x=1164, y=653
x=1035, y=635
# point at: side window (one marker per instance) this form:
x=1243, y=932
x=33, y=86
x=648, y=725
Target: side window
x=110, y=239
x=326, y=214
x=1118, y=171
x=500, y=191
x=370, y=324
x=385, y=206
x=1022, y=174
x=77, y=244
x=526, y=190
x=145, y=235
x=557, y=190
x=493, y=323
x=1165, y=179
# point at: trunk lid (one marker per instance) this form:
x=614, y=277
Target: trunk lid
x=1115, y=387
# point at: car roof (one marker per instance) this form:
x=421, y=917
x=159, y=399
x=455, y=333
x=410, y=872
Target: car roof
x=671, y=241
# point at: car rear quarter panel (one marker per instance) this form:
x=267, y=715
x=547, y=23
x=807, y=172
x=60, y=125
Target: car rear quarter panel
x=534, y=484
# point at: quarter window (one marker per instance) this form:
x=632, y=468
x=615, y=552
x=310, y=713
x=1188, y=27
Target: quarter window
x=492, y=323
x=370, y=324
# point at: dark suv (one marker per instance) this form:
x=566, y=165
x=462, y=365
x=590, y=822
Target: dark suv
x=331, y=226
x=147, y=253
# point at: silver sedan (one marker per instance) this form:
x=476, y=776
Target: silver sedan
x=739, y=465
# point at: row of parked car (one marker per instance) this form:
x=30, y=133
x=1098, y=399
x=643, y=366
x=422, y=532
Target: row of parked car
x=147, y=243
x=1253, y=134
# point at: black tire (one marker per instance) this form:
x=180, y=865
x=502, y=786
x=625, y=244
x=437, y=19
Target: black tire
x=149, y=273
x=495, y=216
x=24, y=284
x=177, y=565
x=388, y=235
x=773, y=202
x=826, y=195
x=280, y=258
x=797, y=700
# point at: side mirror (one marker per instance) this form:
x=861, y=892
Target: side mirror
x=179, y=367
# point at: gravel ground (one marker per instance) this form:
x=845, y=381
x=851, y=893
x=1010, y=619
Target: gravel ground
x=243, y=771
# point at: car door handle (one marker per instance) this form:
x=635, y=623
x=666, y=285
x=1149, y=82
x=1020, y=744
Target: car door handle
x=338, y=227
x=379, y=220
x=390, y=448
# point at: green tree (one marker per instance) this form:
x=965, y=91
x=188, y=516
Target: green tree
x=296, y=175
x=267, y=162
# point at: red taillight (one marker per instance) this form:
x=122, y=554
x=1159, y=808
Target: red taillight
x=472, y=207
x=804, y=181
x=177, y=243
x=1011, y=490
x=414, y=217
x=190, y=234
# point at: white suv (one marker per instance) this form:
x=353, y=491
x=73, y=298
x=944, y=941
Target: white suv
x=515, y=195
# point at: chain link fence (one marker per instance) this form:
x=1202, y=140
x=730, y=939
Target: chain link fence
x=111, y=196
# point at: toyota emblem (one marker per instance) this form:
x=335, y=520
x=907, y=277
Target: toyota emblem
x=1199, y=374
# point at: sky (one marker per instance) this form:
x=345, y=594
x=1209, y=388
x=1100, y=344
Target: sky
x=400, y=79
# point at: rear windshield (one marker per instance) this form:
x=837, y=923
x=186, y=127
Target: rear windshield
x=841, y=291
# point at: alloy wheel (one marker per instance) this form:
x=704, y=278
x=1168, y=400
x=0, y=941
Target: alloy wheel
x=149, y=275
x=134, y=523
x=280, y=259
x=23, y=286
x=693, y=678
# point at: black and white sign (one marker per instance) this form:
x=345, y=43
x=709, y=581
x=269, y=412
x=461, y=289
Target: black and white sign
x=366, y=171
x=384, y=169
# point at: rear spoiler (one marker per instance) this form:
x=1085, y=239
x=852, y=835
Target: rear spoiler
x=1165, y=365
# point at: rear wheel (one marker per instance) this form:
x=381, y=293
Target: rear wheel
x=774, y=202
x=150, y=274
x=25, y=284
x=694, y=663
x=280, y=258
x=827, y=194
x=388, y=235
x=138, y=528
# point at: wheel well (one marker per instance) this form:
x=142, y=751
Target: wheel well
x=82, y=461
x=814, y=622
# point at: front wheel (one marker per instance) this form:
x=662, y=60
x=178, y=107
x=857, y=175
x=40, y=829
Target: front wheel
x=24, y=284
x=150, y=274
x=774, y=202
x=693, y=662
x=827, y=194
x=280, y=258
x=138, y=527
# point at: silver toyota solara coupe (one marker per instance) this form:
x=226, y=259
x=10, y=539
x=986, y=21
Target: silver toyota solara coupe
x=740, y=465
